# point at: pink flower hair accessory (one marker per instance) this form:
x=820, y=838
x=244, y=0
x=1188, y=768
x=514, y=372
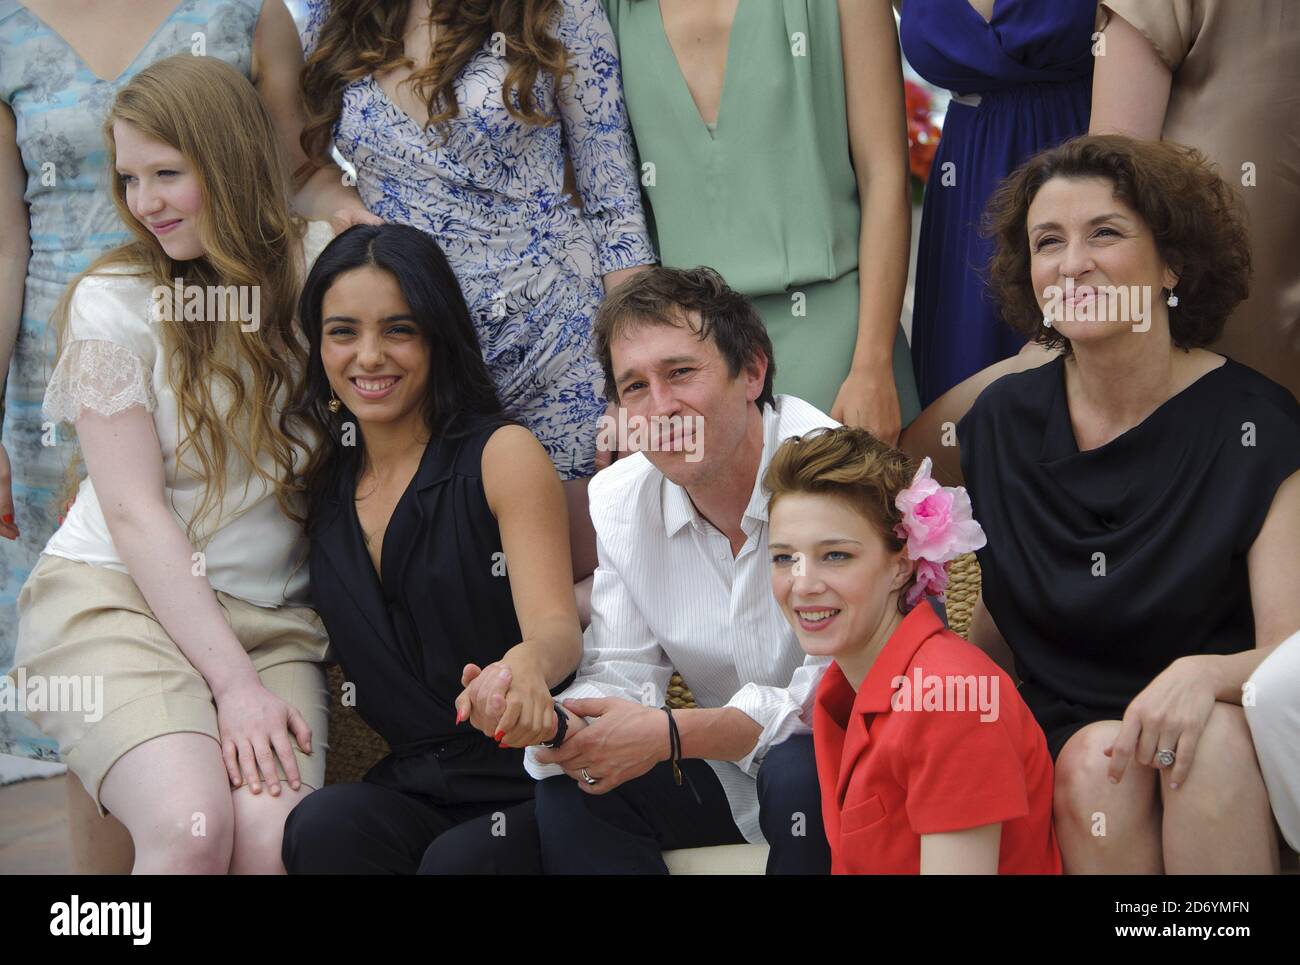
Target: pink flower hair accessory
x=938, y=527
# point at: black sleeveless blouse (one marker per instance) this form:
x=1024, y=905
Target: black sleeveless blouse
x=444, y=601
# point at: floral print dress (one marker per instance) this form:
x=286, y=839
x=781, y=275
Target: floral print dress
x=493, y=196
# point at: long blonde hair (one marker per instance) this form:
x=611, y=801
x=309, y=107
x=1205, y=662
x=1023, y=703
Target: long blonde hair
x=210, y=113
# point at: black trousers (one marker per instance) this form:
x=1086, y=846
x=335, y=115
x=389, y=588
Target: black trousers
x=627, y=830
x=370, y=829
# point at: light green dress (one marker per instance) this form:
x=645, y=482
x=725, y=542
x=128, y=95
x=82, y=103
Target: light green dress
x=768, y=198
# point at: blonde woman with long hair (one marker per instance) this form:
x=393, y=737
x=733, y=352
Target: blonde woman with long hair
x=61, y=64
x=175, y=587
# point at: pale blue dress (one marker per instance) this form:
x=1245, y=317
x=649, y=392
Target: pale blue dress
x=59, y=106
x=493, y=196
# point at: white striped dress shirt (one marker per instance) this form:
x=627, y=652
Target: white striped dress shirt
x=667, y=594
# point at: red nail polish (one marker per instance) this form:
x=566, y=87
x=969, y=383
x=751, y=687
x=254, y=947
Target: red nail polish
x=498, y=735
x=8, y=517
x=458, y=717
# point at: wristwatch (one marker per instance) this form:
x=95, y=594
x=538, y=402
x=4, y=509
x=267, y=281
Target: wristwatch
x=561, y=728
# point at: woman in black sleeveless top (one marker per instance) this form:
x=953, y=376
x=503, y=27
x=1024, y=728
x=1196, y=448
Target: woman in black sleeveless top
x=439, y=546
x=1141, y=498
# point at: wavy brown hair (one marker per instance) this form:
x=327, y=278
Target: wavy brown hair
x=1196, y=218
x=852, y=465
x=361, y=37
x=210, y=113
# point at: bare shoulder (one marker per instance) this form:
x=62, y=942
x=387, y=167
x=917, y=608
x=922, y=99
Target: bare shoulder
x=515, y=466
x=274, y=34
x=511, y=442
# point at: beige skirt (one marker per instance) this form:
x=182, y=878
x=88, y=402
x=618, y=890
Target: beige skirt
x=101, y=676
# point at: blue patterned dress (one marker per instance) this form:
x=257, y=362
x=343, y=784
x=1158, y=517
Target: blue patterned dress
x=59, y=106
x=493, y=196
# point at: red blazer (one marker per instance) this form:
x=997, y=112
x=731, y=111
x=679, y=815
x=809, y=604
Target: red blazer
x=937, y=739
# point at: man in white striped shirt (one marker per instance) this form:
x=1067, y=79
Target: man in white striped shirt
x=684, y=582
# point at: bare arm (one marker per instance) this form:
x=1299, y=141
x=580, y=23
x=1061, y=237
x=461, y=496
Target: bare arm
x=717, y=734
x=1274, y=592
x=125, y=463
x=970, y=852
x=15, y=249
x=527, y=498
x=15, y=240
x=277, y=62
x=1181, y=698
x=933, y=433
x=629, y=736
x=873, y=88
x=1130, y=84
x=984, y=634
x=510, y=699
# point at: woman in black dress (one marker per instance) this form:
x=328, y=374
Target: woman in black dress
x=1142, y=505
x=439, y=557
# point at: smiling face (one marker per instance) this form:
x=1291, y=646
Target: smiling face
x=1081, y=234
x=162, y=190
x=666, y=372
x=373, y=352
x=832, y=574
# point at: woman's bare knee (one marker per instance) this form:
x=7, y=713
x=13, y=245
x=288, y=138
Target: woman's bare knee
x=1101, y=825
x=259, y=828
x=173, y=795
x=1219, y=820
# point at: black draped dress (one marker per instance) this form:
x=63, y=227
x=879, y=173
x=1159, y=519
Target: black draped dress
x=1103, y=567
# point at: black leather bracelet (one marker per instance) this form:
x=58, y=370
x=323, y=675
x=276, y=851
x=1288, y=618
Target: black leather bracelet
x=675, y=755
x=561, y=728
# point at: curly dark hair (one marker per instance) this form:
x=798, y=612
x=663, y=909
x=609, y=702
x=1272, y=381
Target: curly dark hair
x=1196, y=217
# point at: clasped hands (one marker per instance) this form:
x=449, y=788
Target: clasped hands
x=624, y=739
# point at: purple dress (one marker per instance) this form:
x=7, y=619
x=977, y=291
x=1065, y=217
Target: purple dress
x=1031, y=67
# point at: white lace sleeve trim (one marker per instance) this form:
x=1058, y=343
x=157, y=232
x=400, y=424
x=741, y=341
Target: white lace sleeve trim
x=99, y=375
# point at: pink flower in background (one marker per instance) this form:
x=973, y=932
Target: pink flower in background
x=938, y=527
x=931, y=578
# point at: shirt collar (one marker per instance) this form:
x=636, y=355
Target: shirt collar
x=878, y=689
x=678, y=509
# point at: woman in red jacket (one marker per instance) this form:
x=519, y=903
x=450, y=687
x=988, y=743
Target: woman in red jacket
x=928, y=759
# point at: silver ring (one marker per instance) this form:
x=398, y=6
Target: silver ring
x=588, y=778
x=1165, y=758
